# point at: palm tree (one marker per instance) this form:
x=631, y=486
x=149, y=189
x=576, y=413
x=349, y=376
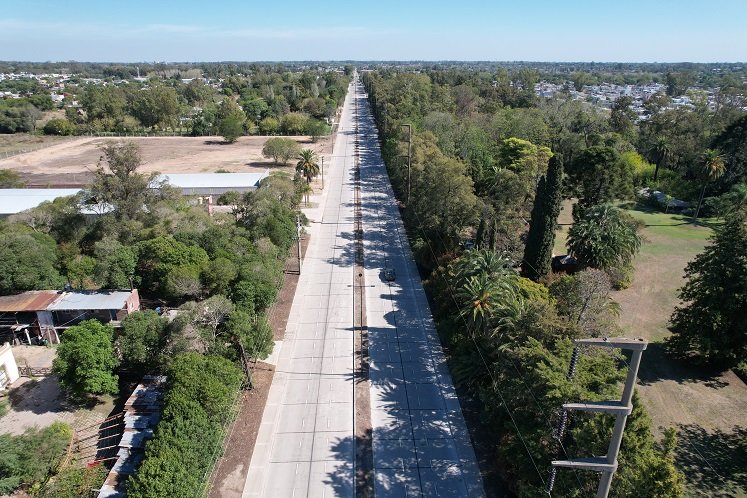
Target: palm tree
x=603, y=238
x=307, y=164
x=662, y=154
x=305, y=189
x=713, y=169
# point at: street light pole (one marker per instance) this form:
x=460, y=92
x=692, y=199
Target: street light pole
x=322, y=172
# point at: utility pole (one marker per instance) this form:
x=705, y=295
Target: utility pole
x=298, y=240
x=607, y=465
x=322, y=172
x=409, y=158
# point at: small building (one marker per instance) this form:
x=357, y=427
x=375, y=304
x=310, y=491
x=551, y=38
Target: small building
x=39, y=315
x=213, y=183
x=8, y=367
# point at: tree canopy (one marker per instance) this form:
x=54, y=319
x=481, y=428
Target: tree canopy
x=85, y=359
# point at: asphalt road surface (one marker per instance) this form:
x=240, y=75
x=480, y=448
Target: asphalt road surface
x=306, y=445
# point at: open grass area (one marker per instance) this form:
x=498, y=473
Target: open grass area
x=709, y=409
x=16, y=142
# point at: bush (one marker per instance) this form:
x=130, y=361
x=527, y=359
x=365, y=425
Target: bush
x=74, y=482
x=29, y=459
x=621, y=277
x=59, y=127
x=269, y=126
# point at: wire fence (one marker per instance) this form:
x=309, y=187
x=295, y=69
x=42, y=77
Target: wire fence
x=220, y=451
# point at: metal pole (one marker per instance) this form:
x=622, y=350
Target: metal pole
x=617, y=432
x=322, y=172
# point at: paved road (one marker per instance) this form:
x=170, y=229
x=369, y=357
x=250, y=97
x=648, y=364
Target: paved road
x=420, y=442
x=305, y=442
x=305, y=446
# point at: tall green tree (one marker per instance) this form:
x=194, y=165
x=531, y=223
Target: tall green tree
x=231, y=119
x=598, y=175
x=541, y=238
x=119, y=184
x=85, y=359
x=141, y=340
x=27, y=262
x=711, y=321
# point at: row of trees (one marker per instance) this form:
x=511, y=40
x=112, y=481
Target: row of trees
x=482, y=172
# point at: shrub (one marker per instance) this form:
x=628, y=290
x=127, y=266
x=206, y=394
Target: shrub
x=59, y=127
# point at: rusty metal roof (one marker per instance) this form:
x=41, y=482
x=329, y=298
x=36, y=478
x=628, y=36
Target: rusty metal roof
x=28, y=301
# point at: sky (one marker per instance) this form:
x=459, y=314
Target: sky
x=278, y=30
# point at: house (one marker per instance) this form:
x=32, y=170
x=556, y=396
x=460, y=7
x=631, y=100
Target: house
x=8, y=367
x=39, y=315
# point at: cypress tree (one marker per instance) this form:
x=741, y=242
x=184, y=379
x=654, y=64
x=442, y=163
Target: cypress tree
x=541, y=237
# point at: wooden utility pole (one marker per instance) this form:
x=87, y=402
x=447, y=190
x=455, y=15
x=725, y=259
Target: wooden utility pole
x=607, y=465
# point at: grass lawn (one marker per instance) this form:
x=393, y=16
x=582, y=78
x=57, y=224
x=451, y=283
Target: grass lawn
x=708, y=408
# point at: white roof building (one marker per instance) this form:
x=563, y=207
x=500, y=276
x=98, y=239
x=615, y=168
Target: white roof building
x=17, y=200
x=214, y=183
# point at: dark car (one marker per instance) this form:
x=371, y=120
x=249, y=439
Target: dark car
x=389, y=274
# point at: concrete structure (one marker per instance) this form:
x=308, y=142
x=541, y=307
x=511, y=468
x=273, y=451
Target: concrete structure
x=8, y=367
x=29, y=315
x=213, y=183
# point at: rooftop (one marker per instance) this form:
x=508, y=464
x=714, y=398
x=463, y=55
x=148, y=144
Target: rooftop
x=15, y=200
x=53, y=300
x=213, y=180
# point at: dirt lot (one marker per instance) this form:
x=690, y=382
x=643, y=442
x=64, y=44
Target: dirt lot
x=71, y=161
x=40, y=402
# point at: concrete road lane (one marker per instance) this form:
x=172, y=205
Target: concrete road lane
x=305, y=445
x=421, y=447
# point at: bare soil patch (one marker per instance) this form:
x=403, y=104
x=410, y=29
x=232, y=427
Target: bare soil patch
x=71, y=161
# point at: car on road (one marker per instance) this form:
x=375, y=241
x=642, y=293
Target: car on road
x=389, y=274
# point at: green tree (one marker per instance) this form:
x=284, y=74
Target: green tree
x=27, y=262
x=122, y=187
x=622, y=117
x=598, y=175
x=293, y=123
x=169, y=266
x=141, y=340
x=269, y=126
x=541, y=238
x=710, y=322
x=280, y=149
x=315, y=129
x=231, y=120
x=307, y=164
x=604, y=238
x=158, y=105
x=713, y=169
x=85, y=359
x=115, y=264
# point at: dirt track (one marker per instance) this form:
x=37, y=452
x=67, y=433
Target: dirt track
x=71, y=162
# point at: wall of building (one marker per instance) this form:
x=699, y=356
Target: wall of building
x=8, y=367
